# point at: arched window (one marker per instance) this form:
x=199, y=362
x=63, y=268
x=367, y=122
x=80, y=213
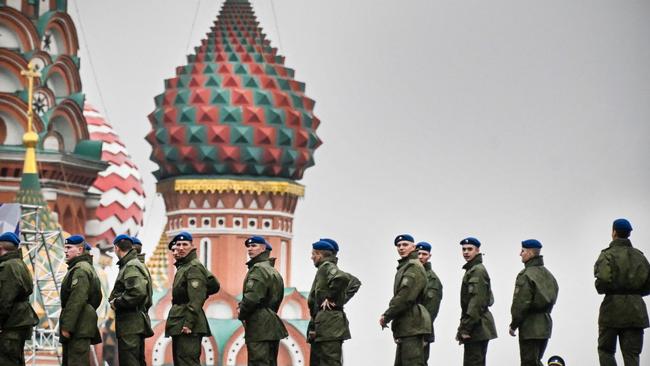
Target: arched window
x=206, y=252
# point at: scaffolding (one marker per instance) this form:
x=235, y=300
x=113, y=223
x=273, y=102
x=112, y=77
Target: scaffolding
x=44, y=254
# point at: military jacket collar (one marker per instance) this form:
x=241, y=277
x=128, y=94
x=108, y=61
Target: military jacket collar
x=262, y=257
x=535, y=261
x=82, y=258
x=14, y=254
x=187, y=259
x=618, y=242
x=331, y=259
x=131, y=254
x=402, y=261
x=477, y=260
x=427, y=266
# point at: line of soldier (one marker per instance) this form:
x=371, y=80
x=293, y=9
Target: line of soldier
x=622, y=274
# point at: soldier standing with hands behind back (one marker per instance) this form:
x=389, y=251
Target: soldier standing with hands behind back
x=262, y=294
x=535, y=295
x=411, y=321
x=476, y=322
x=81, y=295
x=623, y=275
x=131, y=300
x=17, y=317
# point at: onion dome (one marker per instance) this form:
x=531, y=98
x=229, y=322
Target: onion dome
x=234, y=109
x=121, y=205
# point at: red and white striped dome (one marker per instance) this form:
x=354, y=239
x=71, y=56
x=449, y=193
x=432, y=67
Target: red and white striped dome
x=121, y=207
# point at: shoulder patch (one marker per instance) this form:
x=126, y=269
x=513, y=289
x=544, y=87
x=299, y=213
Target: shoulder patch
x=249, y=284
x=194, y=283
x=74, y=282
x=333, y=271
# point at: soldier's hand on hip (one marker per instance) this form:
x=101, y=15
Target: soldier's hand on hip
x=512, y=332
x=327, y=305
x=186, y=330
x=382, y=322
x=65, y=333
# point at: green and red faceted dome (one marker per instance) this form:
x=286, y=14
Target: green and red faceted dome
x=234, y=109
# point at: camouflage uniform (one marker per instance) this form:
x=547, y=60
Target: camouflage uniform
x=262, y=294
x=623, y=275
x=476, y=320
x=432, y=299
x=411, y=322
x=535, y=294
x=81, y=295
x=131, y=297
x=17, y=318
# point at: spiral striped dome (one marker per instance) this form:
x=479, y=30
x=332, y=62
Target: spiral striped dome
x=121, y=207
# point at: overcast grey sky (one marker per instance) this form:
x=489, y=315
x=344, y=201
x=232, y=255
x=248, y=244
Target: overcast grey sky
x=505, y=120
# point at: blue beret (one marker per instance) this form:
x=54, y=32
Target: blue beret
x=471, y=241
x=323, y=245
x=171, y=244
x=556, y=361
x=121, y=237
x=75, y=240
x=423, y=245
x=182, y=236
x=403, y=237
x=531, y=244
x=10, y=237
x=258, y=240
x=622, y=225
x=87, y=246
x=335, y=245
x=136, y=241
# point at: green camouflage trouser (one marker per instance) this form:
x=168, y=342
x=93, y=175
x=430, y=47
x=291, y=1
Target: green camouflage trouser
x=475, y=353
x=11, y=347
x=531, y=351
x=76, y=352
x=263, y=353
x=631, y=340
x=186, y=350
x=410, y=351
x=326, y=353
x=130, y=349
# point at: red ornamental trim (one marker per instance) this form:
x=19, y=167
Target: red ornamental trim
x=24, y=28
x=62, y=23
x=122, y=213
x=15, y=107
x=115, y=181
x=67, y=68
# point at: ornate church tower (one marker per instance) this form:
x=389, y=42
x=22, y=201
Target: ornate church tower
x=231, y=134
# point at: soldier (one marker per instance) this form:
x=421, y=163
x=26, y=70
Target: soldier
x=623, y=275
x=131, y=300
x=535, y=295
x=556, y=361
x=328, y=326
x=411, y=322
x=433, y=291
x=354, y=284
x=137, y=245
x=186, y=321
x=81, y=295
x=262, y=294
x=17, y=317
x=476, y=322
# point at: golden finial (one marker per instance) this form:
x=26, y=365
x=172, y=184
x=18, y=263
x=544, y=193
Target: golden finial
x=30, y=138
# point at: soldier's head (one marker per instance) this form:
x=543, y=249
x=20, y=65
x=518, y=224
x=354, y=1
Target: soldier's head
x=182, y=245
x=9, y=242
x=256, y=245
x=556, y=361
x=321, y=250
x=424, y=251
x=122, y=243
x=471, y=248
x=530, y=248
x=335, y=245
x=137, y=244
x=621, y=229
x=74, y=246
x=405, y=245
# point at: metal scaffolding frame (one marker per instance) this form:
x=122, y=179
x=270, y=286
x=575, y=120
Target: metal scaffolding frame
x=44, y=253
